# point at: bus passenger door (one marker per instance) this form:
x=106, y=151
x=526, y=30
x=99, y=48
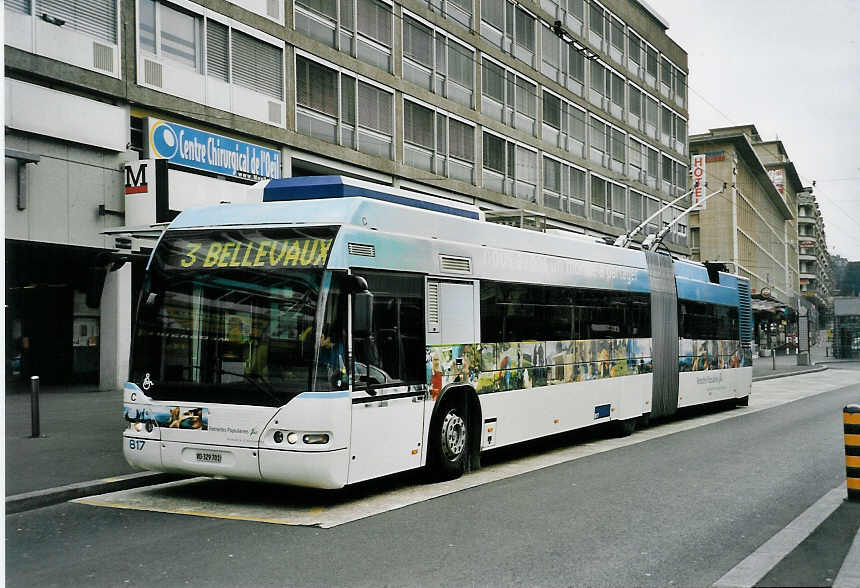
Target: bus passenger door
x=389, y=373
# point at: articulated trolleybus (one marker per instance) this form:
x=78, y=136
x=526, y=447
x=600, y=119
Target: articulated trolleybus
x=339, y=330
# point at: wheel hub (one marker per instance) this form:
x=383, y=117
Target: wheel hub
x=453, y=436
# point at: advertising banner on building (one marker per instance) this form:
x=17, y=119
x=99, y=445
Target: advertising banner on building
x=698, y=171
x=777, y=176
x=193, y=148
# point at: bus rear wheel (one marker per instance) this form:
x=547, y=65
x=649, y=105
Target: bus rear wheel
x=449, y=443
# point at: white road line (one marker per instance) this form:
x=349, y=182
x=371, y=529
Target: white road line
x=765, y=558
x=849, y=575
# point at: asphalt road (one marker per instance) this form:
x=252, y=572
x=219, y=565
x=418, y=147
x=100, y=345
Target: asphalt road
x=676, y=510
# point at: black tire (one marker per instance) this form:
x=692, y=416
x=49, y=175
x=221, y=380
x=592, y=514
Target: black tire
x=745, y=401
x=625, y=428
x=449, y=443
x=644, y=421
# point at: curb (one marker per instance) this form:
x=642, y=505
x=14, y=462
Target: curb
x=788, y=374
x=18, y=503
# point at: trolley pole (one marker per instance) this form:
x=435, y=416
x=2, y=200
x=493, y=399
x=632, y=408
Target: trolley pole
x=34, y=406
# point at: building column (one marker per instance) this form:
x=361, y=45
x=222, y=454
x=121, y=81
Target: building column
x=115, y=329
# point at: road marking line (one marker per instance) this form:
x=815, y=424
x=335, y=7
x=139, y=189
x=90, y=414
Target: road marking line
x=765, y=558
x=849, y=575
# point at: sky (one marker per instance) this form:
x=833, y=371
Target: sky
x=791, y=68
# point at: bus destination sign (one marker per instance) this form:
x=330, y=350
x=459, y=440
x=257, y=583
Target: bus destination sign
x=245, y=252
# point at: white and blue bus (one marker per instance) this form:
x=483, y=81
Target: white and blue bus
x=338, y=330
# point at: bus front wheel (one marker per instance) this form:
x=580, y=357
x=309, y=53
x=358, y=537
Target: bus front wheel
x=449, y=443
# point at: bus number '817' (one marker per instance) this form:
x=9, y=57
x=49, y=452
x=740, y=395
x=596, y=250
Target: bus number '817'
x=136, y=444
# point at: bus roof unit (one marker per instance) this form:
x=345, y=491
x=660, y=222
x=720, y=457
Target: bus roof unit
x=323, y=187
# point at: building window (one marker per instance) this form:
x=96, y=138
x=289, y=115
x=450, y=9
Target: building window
x=674, y=176
x=569, y=12
x=636, y=208
x=561, y=62
x=227, y=68
x=256, y=65
x=563, y=187
x=458, y=10
x=680, y=88
x=652, y=205
x=437, y=63
x=598, y=141
x=94, y=18
x=651, y=169
x=666, y=68
x=597, y=26
x=695, y=238
x=650, y=66
x=563, y=124
x=509, y=97
x=511, y=28
x=575, y=71
x=361, y=28
x=171, y=34
x=673, y=130
x=618, y=204
x=551, y=65
x=510, y=168
x=607, y=89
x=598, y=199
x=437, y=142
x=616, y=40
x=637, y=160
x=634, y=54
x=607, y=145
x=337, y=107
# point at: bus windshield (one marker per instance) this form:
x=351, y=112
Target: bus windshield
x=240, y=317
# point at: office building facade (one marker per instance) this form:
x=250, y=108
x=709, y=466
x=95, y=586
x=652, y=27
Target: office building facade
x=573, y=110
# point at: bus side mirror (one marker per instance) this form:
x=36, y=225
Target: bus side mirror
x=362, y=314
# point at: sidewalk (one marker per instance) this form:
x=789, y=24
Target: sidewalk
x=79, y=450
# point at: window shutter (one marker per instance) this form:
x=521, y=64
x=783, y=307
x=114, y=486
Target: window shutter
x=257, y=65
x=18, y=6
x=418, y=124
x=462, y=137
x=96, y=18
x=316, y=86
x=460, y=62
x=374, y=20
x=217, y=50
x=374, y=108
x=417, y=42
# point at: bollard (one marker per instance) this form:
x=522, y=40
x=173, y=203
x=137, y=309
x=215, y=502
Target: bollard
x=851, y=424
x=34, y=405
x=773, y=356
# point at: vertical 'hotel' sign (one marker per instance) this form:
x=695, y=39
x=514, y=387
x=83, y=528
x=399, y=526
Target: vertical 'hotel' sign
x=698, y=171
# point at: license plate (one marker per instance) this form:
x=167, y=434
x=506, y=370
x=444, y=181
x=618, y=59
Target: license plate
x=206, y=457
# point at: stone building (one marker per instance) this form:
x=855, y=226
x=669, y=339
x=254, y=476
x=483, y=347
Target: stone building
x=573, y=110
x=751, y=225
x=816, y=268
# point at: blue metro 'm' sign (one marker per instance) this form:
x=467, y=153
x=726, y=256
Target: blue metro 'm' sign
x=210, y=152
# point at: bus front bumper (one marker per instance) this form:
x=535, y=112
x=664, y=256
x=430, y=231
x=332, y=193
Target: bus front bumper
x=315, y=469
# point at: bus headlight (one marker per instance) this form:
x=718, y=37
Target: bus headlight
x=292, y=438
x=138, y=427
x=278, y=437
